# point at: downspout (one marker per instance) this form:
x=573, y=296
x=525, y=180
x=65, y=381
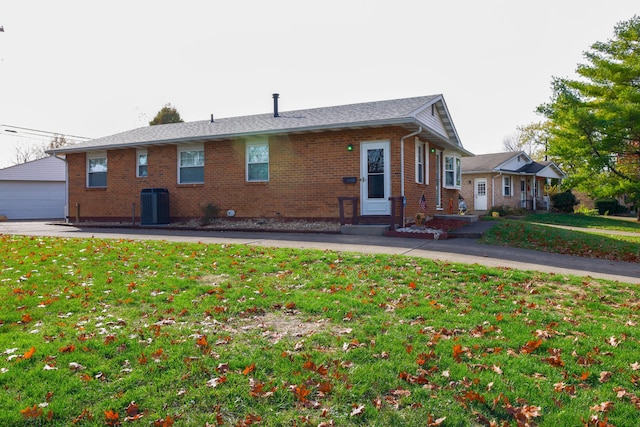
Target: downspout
x=493, y=190
x=404, y=201
x=66, y=186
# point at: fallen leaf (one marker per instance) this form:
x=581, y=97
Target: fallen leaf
x=29, y=353
x=357, y=410
x=31, y=412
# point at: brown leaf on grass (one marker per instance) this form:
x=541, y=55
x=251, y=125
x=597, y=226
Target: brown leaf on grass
x=214, y=382
x=605, y=376
x=357, y=410
x=434, y=423
x=457, y=351
x=164, y=422
x=602, y=407
x=111, y=418
x=530, y=346
x=68, y=349
x=523, y=414
x=554, y=359
x=29, y=353
x=31, y=412
x=300, y=392
x=257, y=389
x=249, y=369
x=85, y=415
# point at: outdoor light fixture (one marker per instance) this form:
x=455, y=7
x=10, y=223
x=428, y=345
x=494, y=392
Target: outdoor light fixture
x=350, y=147
x=433, y=150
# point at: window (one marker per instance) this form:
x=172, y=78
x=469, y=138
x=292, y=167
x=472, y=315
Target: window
x=141, y=164
x=506, y=186
x=97, y=169
x=419, y=162
x=438, y=179
x=258, y=161
x=452, y=172
x=191, y=165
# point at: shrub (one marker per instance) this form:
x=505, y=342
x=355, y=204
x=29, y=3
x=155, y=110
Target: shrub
x=564, y=202
x=609, y=207
x=583, y=210
x=210, y=212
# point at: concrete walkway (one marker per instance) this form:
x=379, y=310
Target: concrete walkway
x=462, y=250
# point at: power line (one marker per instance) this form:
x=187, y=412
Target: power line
x=41, y=131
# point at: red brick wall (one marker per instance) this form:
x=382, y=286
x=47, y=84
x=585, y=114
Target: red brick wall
x=305, y=178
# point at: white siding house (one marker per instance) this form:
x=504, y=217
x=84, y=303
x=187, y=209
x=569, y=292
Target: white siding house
x=33, y=190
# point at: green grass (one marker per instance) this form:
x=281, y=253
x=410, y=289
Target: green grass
x=588, y=236
x=577, y=220
x=192, y=334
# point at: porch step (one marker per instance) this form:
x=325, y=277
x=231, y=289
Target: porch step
x=364, y=229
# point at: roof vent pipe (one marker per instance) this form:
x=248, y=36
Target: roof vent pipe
x=211, y=118
x=275, y=105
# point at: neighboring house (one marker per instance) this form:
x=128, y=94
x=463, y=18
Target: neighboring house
x=510, y=179
x=33, y=190
x=287, y=165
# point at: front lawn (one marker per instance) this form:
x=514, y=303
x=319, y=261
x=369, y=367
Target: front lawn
x=591, y=239
x=577, y=220
x=103, y=332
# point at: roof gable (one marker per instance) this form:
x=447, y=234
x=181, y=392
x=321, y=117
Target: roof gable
x=46, y=169
x=490, y=162
x=516, y=162
x=408, y=111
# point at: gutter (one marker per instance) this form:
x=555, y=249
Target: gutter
x=404, y=201
x=66, y=186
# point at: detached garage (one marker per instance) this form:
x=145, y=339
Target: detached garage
x=33, y=190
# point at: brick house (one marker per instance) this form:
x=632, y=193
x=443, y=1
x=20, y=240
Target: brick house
x=288, y=165
x=510, y=179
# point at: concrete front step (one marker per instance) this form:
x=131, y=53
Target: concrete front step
x=364, y=229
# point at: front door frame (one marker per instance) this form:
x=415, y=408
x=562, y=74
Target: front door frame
x=379, y=204
x=480, y=202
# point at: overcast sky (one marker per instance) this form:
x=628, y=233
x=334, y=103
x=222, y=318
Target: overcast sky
x=95, y=68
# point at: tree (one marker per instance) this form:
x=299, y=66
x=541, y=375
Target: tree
x=28, y=153
x=532, y=139
x=595, y=120
x=167, y=114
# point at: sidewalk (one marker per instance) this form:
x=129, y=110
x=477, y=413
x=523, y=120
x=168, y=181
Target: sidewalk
x=462, y=250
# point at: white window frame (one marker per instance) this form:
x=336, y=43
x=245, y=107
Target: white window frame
x=507, y=186
x=258, y=142
x=142, y=152
x=455, y=172
x=439, y=170
x=188, y=148
x=420, y=161
x=96, y=156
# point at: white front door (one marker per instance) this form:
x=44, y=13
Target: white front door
x=375, y=179
x=480, y=194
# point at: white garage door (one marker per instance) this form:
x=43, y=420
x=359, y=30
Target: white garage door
x=32, y=200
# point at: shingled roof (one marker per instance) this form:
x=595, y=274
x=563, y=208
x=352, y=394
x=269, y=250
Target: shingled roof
x=482, y=163
x=495, y=162
x=402, y=112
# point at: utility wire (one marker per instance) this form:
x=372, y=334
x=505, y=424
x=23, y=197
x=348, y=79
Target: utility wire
x=41, y=131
